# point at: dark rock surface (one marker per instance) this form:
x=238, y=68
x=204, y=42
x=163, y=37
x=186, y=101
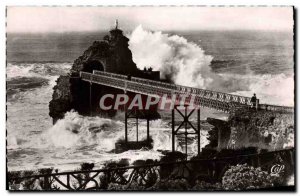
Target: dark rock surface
x=110, y=55
x=122, y=146
x=251, y=128
x=61, y=98
x=220, y=134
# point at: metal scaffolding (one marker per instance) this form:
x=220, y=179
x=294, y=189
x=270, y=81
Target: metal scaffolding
x=176, y=131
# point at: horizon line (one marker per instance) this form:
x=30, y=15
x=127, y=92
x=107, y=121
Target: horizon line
x=165, y=31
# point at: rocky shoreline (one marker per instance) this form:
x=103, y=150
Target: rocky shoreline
x=254, y=128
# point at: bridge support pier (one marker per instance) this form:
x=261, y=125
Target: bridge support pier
x=135, y=114
x=186, y=122
x=125, y=145
x=90, y=98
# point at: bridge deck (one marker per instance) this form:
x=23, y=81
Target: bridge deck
x=204, y=98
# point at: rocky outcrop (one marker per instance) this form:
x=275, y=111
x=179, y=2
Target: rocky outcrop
x=262, y=129
x=252, y=128
x=219, y=135
x=110, y=55
x=61, y=98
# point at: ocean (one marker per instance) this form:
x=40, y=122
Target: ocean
x=238, y=62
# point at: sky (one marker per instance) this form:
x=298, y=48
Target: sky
x=81, y=19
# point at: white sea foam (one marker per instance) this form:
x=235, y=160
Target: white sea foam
x=187, y=64
x=76, y=139
x=15, y=70
x=183, y=61
x=75, y=130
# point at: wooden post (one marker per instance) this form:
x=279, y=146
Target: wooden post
x=126, y=115
x=186, y=133
x=219, y=139
x=137, y=127
x=90, y=101
x=258, y=161
x=126, y=139
x=173, y=131
x=199, y=131
x=47, y=185
x=257, y=104
x=292, y=157
x=148, y=135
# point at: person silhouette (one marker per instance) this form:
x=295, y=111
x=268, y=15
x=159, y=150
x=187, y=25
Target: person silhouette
x=253, y=100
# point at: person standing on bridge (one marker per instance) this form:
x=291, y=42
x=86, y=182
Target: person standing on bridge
x=253, y=100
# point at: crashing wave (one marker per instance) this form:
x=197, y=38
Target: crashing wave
x=187, y=64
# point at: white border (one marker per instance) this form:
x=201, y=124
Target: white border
x=4, y=3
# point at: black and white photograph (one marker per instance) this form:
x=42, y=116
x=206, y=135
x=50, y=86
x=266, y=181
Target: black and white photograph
x=150, y=98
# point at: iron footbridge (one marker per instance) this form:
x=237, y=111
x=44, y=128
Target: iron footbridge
x=204, y=98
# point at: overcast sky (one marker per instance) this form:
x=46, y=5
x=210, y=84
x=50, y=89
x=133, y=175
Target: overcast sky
x=66, y=19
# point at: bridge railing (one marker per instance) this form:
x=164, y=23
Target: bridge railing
x=153, y=88
x=276, y=108
x=114, y=75
x=184, y=89
x=196, y=91
x=217, y=100
x=147, y=173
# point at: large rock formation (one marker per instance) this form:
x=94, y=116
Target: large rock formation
x=110, y=55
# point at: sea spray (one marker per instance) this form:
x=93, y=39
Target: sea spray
x=75, y=130
x=76, y=139
x=264, y=85
x=173, y=56
x=15, y=70
x=186, y=63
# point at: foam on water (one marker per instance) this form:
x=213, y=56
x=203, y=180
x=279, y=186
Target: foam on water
x=15, y=70
x=78, y=137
